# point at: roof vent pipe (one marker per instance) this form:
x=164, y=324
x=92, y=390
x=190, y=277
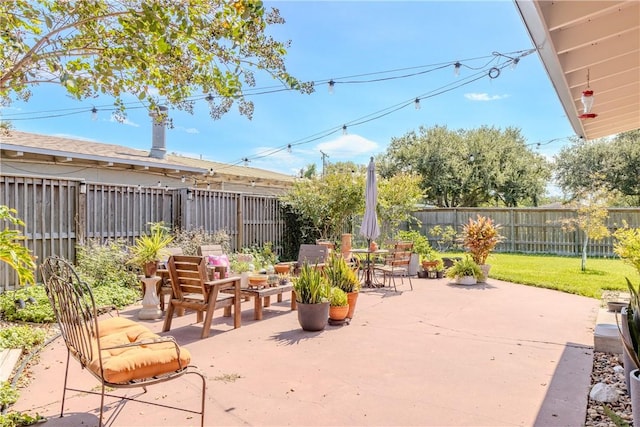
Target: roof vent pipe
x=158, y=141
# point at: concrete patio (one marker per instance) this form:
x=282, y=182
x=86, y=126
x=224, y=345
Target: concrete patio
x=442, y=354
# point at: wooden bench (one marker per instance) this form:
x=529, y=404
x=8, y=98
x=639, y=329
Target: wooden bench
x=262, y=297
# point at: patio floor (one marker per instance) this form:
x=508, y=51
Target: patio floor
x=484, y=355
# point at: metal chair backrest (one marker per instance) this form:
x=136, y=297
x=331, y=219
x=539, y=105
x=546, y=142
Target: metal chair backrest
x=74, y=308
x=206, y=250
x=313, y=254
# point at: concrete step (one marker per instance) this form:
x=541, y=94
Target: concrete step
x=606, y=337
x=8, y=360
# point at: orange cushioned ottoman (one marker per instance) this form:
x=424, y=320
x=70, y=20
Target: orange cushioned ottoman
x=121, y=365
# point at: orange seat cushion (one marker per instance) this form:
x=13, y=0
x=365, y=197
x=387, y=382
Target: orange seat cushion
x=121, y=365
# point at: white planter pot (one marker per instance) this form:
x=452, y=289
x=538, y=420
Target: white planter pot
x=413, y=264
x=485, y=273
x=466, y=280
x=635, y=392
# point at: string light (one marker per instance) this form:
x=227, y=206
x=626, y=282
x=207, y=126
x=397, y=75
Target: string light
x=208, y=186
x=456, y=69
x=209, y=98
x=514, y=63
x=139, y=187
x=331, y=86
x=417, y=103
x=289, y=148
x=159, y=184
x=246, y=161
x=94, y=114
x=183, y=179
x=344, y=129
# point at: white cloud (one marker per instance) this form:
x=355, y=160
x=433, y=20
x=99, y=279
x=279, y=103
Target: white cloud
x=347, y=147
x=484, y=97
x=187, y=130
x=126, y=121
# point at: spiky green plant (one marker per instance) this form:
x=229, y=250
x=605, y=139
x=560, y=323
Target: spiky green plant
x=340, y=275
x=311, y=286
x=338, y=298
x=151, y=247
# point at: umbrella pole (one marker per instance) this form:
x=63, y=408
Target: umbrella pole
x=367, y=280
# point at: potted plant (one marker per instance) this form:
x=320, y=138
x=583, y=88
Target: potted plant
x=149, y=249
x=312, y=295
x=630, y=335
x=480, y=237
x=465, y=271
x=439, y=269
x=421, y=248
x=338, y=304
x=342, y=276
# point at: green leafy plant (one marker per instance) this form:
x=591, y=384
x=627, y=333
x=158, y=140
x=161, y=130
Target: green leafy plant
x=480, y=237
x=464, y=267
x=21, y=336
x=311, y=286
x=633, y=320
x=12, y=249
x=105, y=264
x=338, y=297
x=627, y=245
x=19, y=419
x=445, y=237
x=340, y=275
x=8, y=394
x=420, y=242
x=27, y=304
x=151, y=247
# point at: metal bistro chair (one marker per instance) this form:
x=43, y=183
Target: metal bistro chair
x=118, y=352
x=397, y=264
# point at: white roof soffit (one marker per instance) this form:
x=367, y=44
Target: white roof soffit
x=601, y=38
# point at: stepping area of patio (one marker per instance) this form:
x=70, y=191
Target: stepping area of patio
x=442, y=354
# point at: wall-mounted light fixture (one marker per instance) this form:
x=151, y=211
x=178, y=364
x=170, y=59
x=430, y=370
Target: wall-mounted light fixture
x=83, y=188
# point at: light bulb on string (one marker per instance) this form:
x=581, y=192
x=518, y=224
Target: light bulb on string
x=331, y=86
x=183, y=179
x=209, y=99
x=456, y=69
x=94, y=114
x=416, y=103
x=159, y=184
x=344, y=129
x=289, y=148
x=245, y=161
x=514, y=63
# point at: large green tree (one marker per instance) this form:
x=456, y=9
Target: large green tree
x=160, y=51
x=472, y=167
x=608, y=164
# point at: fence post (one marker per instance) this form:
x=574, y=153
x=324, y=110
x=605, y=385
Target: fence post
x=81, y=216
x=240, y=221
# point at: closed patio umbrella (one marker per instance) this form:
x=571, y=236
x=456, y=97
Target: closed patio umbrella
x=369, y=228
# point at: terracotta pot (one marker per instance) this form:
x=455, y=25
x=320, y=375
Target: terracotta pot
x=373, y=246
x=352, y=297
x=150, y=269
x=282, y=268
x=426, y=265
x=338, y=313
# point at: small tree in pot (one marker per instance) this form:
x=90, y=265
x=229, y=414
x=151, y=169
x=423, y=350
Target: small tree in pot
x=149, y=249
x=480, y=237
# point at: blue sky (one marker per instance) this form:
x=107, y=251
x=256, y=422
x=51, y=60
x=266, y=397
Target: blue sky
x=337, y=40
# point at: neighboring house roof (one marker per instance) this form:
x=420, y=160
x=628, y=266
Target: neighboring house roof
x=601, y=38
x=35, y=147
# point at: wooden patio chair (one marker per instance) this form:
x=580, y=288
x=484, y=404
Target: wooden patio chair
x=396, y=264
x=193, y=291
x=206, y=250
x=118, y=352
x=314, y=255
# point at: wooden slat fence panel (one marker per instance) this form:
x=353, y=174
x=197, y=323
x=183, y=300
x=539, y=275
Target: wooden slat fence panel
x=262, y=221
x=531, y=230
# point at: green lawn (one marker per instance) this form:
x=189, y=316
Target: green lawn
x=563, y=273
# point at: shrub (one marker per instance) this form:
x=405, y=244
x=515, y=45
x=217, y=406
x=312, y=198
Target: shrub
x=190, y=240
x=105, y=265
x=421, y=244
x=627, y=245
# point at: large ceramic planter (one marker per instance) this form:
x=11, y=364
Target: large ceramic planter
x=338, y=312
x=627, y=363
x=634, y=381
x=485, y=273
x=413, y=264
x=313, y=317
x=466, y=280
x=352, y=297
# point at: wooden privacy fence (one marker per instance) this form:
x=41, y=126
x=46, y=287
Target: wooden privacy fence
x=60, y=214
x=531, y=230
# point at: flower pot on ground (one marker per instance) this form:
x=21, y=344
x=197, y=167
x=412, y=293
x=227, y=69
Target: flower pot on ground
x=630, y=336
x=465, y=271
x=149, y=249
x=341, y=275
x=312, y=295
x=338, y=304
x=480, y=237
